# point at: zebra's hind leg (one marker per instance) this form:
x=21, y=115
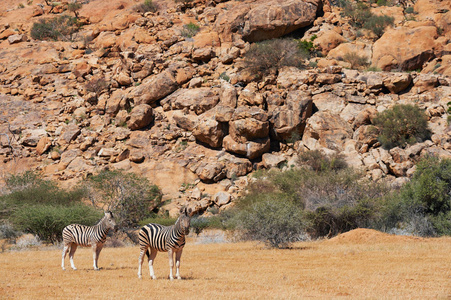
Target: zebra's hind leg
x=65, y=250
x=171, y=263
x=140, y=261
x=73, y=247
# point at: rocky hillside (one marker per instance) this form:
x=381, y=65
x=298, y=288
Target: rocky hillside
x=133, y=91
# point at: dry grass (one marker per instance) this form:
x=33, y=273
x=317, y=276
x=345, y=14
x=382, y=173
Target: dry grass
x=359, y=264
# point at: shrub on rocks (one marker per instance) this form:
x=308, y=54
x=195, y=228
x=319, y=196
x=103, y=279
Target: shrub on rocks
x=401, y=125
x=59, y=28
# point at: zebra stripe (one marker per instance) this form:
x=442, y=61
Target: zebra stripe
x=161, y=238
x=81, y=235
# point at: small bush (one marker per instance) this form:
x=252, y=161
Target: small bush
x=377, y=24
x=268, y=56
x=401, y=125
x=147, y=6
x=318, y=161
x=59, y=28
x=190, y=30
x=48, y=221
x=74, y=7
x=129, y=196
x=97, y=85
x=273, y=222
x=357, y=61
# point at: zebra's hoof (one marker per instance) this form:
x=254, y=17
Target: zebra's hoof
x=154, y=277
x=179, y=278
x=75, y=269
x=64, y=269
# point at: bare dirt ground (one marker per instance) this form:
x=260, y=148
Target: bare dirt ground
x=355, y=265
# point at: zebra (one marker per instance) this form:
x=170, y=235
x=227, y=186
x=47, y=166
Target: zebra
x=169, y=239
x=80, y=235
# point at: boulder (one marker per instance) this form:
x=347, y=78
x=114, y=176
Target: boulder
x=396, y=83
x=247, y=129
x=140, y=117
x=272, y=160
x=209, y=131
x=222, y=198
x=43, y=145
x=211, y=172
x=251, y=149
x=277, y=18
x=326, y=130
x=405, y=48
x=155, y=88
x=288, y=121
x=198, y=100
x=328, y=41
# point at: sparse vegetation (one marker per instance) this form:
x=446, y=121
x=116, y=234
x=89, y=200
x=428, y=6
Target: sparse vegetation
x=59, y=28
x=74, y=7
x=360, y=16
x=268, y=56
x=401, y=125
x=190, y=30
x=357, y=61
x=146, y=6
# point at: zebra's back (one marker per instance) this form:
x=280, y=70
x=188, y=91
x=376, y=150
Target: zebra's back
x=158, y=237
x=79, y=234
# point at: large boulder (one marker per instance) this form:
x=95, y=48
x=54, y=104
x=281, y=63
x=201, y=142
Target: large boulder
x=209, y=131
x=251, y=149
x=266, y=19
x=405, y=48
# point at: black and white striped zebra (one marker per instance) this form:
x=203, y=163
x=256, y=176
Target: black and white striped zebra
x=171, y=239
x=80, y=235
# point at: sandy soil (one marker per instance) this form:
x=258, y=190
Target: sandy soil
x=355, y=265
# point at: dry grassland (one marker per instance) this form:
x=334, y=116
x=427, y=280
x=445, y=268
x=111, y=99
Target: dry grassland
x=355, y=265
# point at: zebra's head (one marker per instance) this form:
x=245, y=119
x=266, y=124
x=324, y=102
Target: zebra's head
x=110, y=221
x=185, y=219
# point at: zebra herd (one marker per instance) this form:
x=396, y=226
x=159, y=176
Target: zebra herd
x=152, y=238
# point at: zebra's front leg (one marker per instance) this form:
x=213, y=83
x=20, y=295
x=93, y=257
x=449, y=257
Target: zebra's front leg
x=178, y=255
x=73, y=247
x=171, y=263
x=96, y=248
x=65, y=250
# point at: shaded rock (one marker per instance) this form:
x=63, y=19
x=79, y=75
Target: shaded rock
x=397, y=82
x=140, y=117
x=211, y=172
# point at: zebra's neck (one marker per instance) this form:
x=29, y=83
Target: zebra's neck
x=102, y=229
x=178, y=229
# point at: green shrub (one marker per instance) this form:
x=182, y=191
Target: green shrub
x=422, y=206
x=410, y=10
x=48, y=221
x=361, y=17
x=268, y=56
x=58, y=28
x=29, y=188
x=147, y=6
x=190, y=30
x=274, y=222
x=401, y=125
x=129, y=196
x=377, y=24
